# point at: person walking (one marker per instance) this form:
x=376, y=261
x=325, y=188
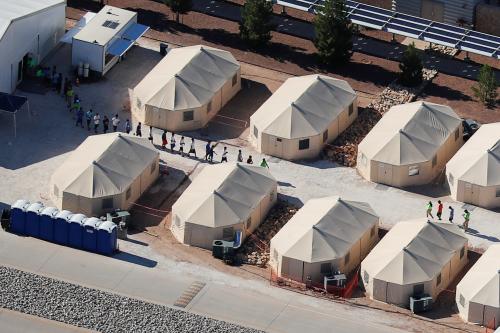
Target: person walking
x=207, y=150
x=264, y=163
x=172, y=143
x=115, y=121
x=97, y=120
x=164, y=141
x=182, y=143
x=249, y=159
x=88, y=117
x=79, y=117
x=224, y=156
x=429, y=210
x=211, y=154
x=105, y=124
x=452, y=213
x=192, y=150
x=440, y=210
x=69, y=95
x=128, y=127
x=466, y=216
x=138, y=130
x=150, y=137
x=240, y=156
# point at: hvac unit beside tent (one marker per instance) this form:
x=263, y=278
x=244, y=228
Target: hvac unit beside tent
x=420, y=303
x=33, y=219
x=18, y=216
x=61, y=227
x=75, y=236
x=90, y=227
x=107, y=241
x=47, y=220
x=337, y=280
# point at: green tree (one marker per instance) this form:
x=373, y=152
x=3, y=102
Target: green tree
x=255, y=25
x=486, y=88
x=333, y=33
x=179, y=7
x=411, y=67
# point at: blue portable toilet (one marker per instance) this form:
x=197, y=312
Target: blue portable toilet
x=18, y=216
x=75, y=236
x=61, y=227
x=47, y=221
x=90, y=227
x=107, y=238
x=33, y=219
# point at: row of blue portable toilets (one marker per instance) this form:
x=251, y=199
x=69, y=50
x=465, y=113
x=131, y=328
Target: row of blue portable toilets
x=63, y=227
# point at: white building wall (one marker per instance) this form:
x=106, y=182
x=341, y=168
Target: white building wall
x=87, y=53
x=38, y=34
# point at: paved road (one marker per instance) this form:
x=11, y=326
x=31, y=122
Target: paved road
x=275, y=310
x=16, y=322
x=381, y=49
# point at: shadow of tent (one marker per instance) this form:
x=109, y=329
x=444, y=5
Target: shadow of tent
x=477, y=234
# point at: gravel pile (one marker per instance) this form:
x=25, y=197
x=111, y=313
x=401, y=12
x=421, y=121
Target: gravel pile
x=97, y=310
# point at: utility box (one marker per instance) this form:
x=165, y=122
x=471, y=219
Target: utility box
x=420, y=303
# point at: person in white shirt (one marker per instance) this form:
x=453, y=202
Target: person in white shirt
x=97, y=120
x=115, y=121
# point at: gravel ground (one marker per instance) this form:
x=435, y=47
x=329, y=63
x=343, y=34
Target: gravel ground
x=97, y=310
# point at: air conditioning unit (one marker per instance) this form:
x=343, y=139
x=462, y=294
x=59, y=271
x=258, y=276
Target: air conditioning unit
x=420, y=303
x=221, y=248
x=337, y=280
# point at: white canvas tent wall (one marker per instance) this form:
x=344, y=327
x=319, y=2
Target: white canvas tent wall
x=223, y=199
x=473, y=174
x=187, y=88
x=410, y=145
x=27, y=27
x=105, y=172
x=414, y=257
x=478, y=293
x=325, y=235
x=302, y=116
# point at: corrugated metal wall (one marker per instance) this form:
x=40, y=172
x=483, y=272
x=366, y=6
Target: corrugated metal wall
x=453, y=10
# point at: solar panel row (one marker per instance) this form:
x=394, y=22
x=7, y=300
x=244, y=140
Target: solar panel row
x=411, y=26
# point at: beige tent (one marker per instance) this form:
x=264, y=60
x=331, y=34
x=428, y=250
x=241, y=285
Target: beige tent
x=223, y=199
x=302, y=115
x=187, y=88
x=478, y=293
x=413, y=258
x=410, y=145
x=105, y=172
x=474, y=172
x=327, y=234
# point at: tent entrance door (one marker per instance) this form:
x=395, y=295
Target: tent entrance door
x=278, y=146
x=384, y=174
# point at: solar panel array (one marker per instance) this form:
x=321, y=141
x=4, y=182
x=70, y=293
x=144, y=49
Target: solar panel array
x=411, y=26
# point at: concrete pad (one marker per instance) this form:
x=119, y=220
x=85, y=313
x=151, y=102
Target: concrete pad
x=244, y=307
x=31, y=255
x=16, y=322
x=153, y=286
x=85, y=268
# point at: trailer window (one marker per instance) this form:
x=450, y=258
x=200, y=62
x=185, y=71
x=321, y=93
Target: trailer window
x=188, y=115
x=303, y=144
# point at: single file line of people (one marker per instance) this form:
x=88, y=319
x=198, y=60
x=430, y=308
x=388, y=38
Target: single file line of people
x=451, y=214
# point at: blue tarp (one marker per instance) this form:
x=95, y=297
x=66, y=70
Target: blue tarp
x=119, y=47
x=11, y=103
x=135, y=31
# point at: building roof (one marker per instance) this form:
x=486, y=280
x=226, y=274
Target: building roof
x=303, y=106
x=104, y=165
x=410, y=133
x=187, y=78
x=478, y=161
x=224, y=194
x=14, y=10
x=105, y=25
x=324, y=229
x=481, y=284
x=413, y=251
